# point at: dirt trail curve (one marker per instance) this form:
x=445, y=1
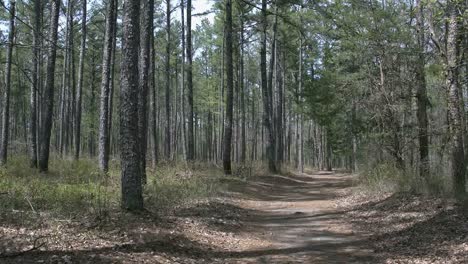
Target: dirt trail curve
x=298, y=214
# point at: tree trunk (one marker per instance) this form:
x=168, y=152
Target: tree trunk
x=154, y=124
x=35, y=72
x=167, y=145
x=242, y=95
x=190, y=139
x=421, y=96
x=456, y=126
x=104, y=132
x=267, y=96
x=48, y=99
x=80, y=82
x=6, y=100
x=65, y=77
x=147, y=10
x=229, y=91
x=130, y=148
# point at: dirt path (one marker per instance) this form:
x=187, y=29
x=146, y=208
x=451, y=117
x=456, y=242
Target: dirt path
x=298, y=214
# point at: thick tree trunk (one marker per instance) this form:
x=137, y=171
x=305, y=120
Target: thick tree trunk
x=130, y=148
x=227, y=142
x=80, y=82
x=48, y=99
x=104, y=132
x=242, y=96
x=6, y=100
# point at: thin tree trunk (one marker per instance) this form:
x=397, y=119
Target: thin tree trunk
x=229, y=90
x=65, y=78
x=154, y=120
x=104, y=132
x=456, y=125
x=182, y=85
x=167, y=145
x=242, y=95
x=6, y=100
x=80, y=82
x=48, y=99
x=36, y=72
x=267, y=96
x=190, y=139
x=112, y=79
x=147, y=10
x=421, y=96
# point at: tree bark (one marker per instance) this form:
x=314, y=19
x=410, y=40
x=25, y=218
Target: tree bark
x=48, y=99
x=130, y=148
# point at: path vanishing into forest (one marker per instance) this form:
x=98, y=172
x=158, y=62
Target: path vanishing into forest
x=298, y=214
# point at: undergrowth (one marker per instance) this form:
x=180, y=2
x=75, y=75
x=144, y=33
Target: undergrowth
x=76, y=187
x=387, y=177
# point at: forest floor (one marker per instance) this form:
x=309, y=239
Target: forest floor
x=316, y=217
